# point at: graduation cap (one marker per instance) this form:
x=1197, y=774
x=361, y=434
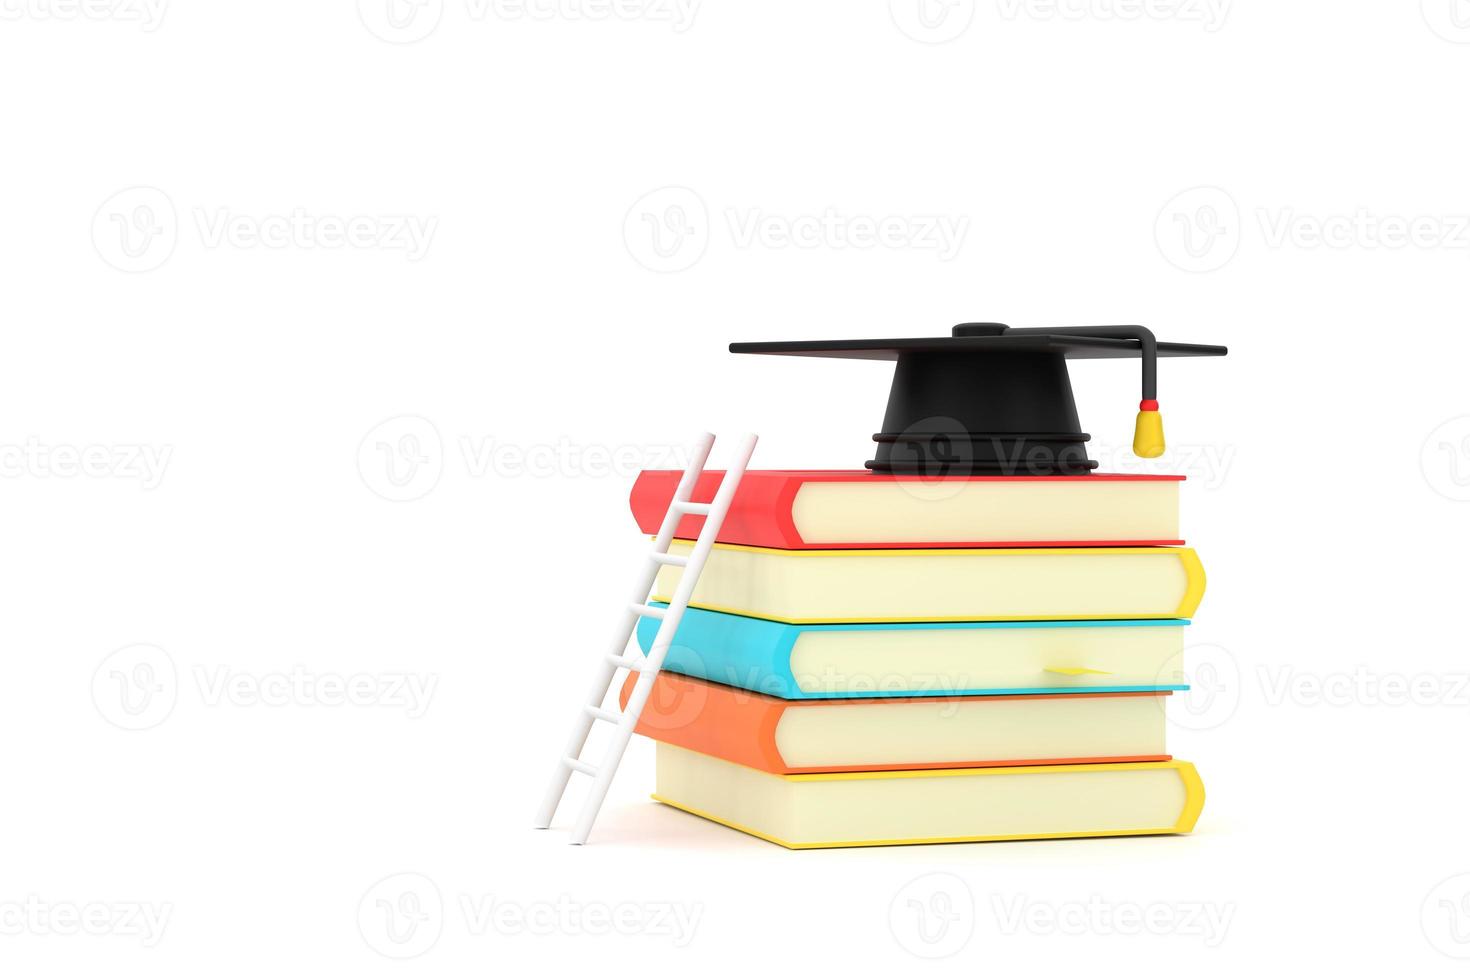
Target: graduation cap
x=996, y=400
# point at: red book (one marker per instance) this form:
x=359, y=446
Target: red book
x=826, y=509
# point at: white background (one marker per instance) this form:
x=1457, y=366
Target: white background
x=207, y=265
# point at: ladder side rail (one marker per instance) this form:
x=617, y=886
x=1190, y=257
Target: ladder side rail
x=664, y=639
x=627, y=623
x=682, y=494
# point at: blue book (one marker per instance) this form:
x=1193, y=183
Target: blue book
x=876, y=660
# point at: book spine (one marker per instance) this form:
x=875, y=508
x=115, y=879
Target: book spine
x=760, y=514
x=752, y=654
x=728, y=723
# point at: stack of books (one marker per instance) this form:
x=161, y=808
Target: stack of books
x=877, y=659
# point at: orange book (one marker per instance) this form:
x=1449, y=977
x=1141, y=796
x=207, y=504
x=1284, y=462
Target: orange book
x=865, y=734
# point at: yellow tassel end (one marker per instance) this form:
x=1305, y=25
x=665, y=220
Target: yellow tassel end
x=1148, y=435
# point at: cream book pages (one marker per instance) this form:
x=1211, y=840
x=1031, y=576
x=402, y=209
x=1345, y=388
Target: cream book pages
x=924, y=806
x=939, y=585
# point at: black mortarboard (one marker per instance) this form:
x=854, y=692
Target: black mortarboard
x=993, y=399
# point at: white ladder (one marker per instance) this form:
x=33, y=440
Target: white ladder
x=647, y=667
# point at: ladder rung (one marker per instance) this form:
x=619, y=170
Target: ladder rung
x=664, y=558
x=652, y=611
x=690, y=507
x=602, y=714
x=580, y=766
x=634, y=664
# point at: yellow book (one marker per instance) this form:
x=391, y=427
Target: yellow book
x=944, y=585
x=933, y=806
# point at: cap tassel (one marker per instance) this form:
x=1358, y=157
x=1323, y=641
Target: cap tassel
x=1148, y=430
